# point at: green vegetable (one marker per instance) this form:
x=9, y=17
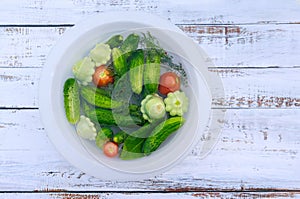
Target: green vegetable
x=115, y=41
x=120, y=137
x=136, y=63
x=176, y=103
x=72, y=100
x=97, y=90
x=133, y=144
x=85, y=128
x=161, y=133
x=152, y=43
x=98, y=99
x=103, y=136
x=152, y=71
x=110, y=118
x=153, y=107
x=83, y=70
x=130, y=109
x=130, y=43
x=119, y=61
x=100, y=54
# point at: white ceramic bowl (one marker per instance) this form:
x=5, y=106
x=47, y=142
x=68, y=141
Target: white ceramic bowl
x=74, y=45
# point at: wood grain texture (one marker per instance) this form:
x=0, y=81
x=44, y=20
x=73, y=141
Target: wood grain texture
x=190, y=11
x=248, y=46
x=255, y=48
x=189, y=195
x=227, y=46
x=244, y=88
x=250, y=142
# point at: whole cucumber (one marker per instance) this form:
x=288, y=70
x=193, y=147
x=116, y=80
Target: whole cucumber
x=119, y=62
x=152, y=71
x=130, y=43
x=98, y=99
x=133, y=144
x=72, y=100
x=115, y=41
x=97, y=90
x=120, y=137
x=107, y=117
x=136, y=64
x=131, y=109
x=161, y=133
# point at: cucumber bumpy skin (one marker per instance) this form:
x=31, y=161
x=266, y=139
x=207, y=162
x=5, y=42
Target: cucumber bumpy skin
x=136, y=63
x=107, y=117
x=152, y=71
x=119, y=62
x=115, y=41
x=133, y=144
x=98, y=99
x=161, y=133
x=130, y=43
x=120, y=137
x=72, y=100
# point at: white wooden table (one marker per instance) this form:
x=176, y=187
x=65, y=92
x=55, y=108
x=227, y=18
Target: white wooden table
x=255, y=46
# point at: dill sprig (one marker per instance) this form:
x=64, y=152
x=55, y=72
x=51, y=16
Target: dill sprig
x=150, y=42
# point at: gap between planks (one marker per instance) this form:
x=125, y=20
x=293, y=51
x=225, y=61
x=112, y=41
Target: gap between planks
x=264, y=145
x=191, y=11
x=271, y=88
x=227, y=46
x=176, y=24
x=124, y=195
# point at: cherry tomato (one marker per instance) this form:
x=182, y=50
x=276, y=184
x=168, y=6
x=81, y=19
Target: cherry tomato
x=168, y=82
x=102, y=76
x=110, y=149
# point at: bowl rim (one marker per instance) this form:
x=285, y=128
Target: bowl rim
x=44, y=91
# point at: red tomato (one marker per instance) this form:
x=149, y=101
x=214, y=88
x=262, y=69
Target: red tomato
x=110, y=149
x=102, y=76
x=168, y=82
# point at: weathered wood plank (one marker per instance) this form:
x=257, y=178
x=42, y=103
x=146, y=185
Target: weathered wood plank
x=244, y=88
x=216, y=195
x=19, y=87
x=227, y=46
x=248, y=46
x=258, y=149
x=27, y=47
x=191, y=11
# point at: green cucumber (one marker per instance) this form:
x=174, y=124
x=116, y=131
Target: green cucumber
x=110, y=118
x=103, y=136
x=130, y=43
x=133, y=144
x=72, y=100
x=119, y=62
x=115, y=41
x=152, y=71
x=97, y=90
x=136, y=64
x=98, y=99
x=131, y=109
x=161, y=133
x=120, y=137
